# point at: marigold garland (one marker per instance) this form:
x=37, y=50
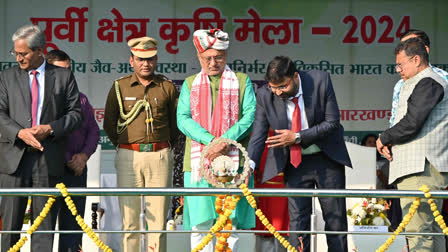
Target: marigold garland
x=223, y=219
x=36, y=223
x=71, y=206
x=264, y=220
x=44, y=213
x=410, y=214
x=225, y=212
x=221, y=244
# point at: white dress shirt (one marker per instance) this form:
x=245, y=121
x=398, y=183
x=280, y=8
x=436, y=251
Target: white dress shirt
x=41, y=81
x=290, y=106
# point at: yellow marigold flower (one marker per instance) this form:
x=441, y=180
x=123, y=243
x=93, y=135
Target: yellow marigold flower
x=424, y=188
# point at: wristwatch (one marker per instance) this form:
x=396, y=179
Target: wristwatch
x=298, y=138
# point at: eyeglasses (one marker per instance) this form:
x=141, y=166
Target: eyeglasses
x=218, y=59
x=399, y=66
x=17, y=54
x=281, y=88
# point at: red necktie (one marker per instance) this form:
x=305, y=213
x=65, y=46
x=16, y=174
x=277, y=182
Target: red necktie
x=34, y=97
x=296, y=126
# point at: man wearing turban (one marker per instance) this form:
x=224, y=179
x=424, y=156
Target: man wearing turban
x=216, y=102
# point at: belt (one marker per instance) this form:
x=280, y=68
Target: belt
x=146, y=147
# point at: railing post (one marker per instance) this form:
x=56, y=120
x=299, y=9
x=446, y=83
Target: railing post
x=142, y=224
x=313, y=237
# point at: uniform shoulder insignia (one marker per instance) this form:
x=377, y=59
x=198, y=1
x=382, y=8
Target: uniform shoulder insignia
x=124, y=77
x=163, y=77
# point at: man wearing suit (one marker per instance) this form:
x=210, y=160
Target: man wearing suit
x=39, y=106
x=308, y=145
x=417, y=143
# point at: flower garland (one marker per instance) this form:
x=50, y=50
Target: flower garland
x=264, y=220
x=71, y=206
x=221, y=244
x=224, y=213
x=207, y=172
x=36, y=223
x=410, y=214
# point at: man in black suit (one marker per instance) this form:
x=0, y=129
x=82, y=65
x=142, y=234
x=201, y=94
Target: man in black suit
x=39, y=106
x=308, y=145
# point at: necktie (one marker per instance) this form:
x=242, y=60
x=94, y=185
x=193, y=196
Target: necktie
x=34, y=97
x=296, y=126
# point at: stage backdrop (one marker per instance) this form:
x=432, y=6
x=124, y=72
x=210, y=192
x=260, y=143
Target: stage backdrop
x=353, y=40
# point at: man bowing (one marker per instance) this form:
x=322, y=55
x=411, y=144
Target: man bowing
x=308, y=145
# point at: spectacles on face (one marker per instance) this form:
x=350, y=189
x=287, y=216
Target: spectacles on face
x=281, y=87
x=399, y=66
x=217, y=59
x=17, y=54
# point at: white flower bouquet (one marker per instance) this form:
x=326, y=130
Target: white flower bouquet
x=369, y=211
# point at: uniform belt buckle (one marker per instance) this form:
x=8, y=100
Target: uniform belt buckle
x=146, y=148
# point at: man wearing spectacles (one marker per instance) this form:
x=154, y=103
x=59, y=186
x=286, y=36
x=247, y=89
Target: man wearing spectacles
x=19, y=54
x=308, y=145
x=397, y=88
x=39, y=107
x=417, y=143
x=216, y=102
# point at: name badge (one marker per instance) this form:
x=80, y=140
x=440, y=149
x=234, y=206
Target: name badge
x=130, y=98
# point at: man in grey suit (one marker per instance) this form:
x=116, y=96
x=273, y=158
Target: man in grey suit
x=417, y=143
x=39, y=106
x=308, y=145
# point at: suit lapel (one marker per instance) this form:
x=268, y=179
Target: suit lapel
x=24, y=84
x=308, y=109
x=49, y=85
x=280, y=109
x=307, y=93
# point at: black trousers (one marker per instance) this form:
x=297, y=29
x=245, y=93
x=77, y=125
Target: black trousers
x=317, y=171
x=268, y=244
x=70, y=242
x=32, y=172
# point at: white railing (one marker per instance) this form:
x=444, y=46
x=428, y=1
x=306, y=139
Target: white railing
x=257, y=192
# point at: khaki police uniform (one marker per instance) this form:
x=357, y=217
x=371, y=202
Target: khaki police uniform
x=141, y=122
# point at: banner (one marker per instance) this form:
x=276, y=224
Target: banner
x=353, y=40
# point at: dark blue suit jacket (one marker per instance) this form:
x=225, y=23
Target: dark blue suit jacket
x=323, y=116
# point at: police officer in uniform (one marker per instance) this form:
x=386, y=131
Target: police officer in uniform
x=140, y=120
